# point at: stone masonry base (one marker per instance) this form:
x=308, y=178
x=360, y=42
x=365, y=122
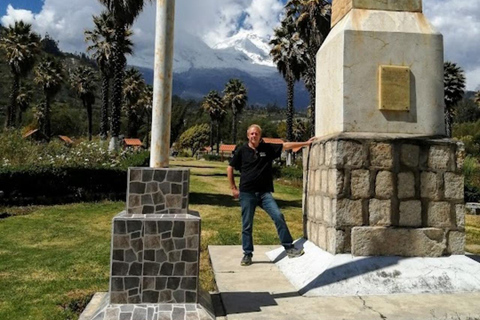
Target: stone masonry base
x=155, y=252
x=155, y=258
x=100, y=309
x=385, y=195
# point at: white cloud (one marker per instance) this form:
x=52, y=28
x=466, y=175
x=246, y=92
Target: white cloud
x=264, y=16
x=458, y=21
x=64, y=21
x=216, y=20
x=16, y=15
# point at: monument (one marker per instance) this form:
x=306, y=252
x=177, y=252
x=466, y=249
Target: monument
x=382, y=179
x=383, y=187
x=155, y=250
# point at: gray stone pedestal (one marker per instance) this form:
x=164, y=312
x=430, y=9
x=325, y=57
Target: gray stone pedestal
x=387, y=195
x=155, y=252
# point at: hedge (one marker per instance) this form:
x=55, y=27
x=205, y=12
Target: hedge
x=62, y=185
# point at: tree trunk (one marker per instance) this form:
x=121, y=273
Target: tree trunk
x=448, y=123
x=20, y=117
x=118, y=68
x=218, y=137
x=47, y=129
x=88, y=106
x=312, y=111
x=290, y=112
x=130, y=123
x=12, y=108
x=211, y=136
x=113, y=144
x=234, y=126
x=104, y=112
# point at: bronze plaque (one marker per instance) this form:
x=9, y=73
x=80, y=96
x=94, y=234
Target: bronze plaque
x=394, y=88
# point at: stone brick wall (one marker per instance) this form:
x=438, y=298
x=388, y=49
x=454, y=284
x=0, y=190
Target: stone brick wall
x=155, y=258
x=372, y=195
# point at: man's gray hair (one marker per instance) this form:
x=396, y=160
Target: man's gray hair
x=254, y=126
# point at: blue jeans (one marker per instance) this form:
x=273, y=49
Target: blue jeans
x=249, y=201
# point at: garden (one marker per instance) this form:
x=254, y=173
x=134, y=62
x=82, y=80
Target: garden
x=54, y=258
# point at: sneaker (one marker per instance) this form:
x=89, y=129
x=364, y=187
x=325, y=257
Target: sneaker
x=246, y=260
x=294, y=252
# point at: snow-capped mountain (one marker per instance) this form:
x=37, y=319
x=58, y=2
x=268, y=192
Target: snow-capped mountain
x=199, y=68
x=253, y=46
x=243, y=51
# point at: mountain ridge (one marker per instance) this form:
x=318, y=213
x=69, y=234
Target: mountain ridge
x=199, y=68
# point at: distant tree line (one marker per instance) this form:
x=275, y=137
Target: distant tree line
x=125, y=100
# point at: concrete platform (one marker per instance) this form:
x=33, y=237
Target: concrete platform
x=320, y=273
x=261, y=291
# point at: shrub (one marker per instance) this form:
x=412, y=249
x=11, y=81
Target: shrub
x=62, y=185
x=47, y=173
x=471, y=171
x=16, y=152
x=213, y=157
x=290, y=173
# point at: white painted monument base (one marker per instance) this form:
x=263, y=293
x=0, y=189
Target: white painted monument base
x=319, y=273
x=348, y=78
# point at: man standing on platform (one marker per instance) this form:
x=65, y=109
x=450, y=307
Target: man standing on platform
x=254, y=161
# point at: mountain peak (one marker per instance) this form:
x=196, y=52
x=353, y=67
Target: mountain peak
x=250, y=44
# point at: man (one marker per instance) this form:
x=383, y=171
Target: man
x=254, y=161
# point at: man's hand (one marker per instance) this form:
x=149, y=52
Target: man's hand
x=235, y=193
x=231, y=180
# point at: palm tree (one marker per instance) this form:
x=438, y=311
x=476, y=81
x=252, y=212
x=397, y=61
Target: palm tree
x=124, y=13
x=102, y=40
x=146, y=104
x=454, y=83
x=48, y=74
x=21, y=46
x=133, y=88
x=299, y=130
x=83, y=81
x=24, y=100
x=289, y=53
x=476, y=99
x=313, y=23
x=215, y=108
x=235, y=97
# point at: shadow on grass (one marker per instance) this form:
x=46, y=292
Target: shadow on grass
x=5, y=215
x=210, y=175
x=213, y=199
x=196, y=166
x=228, y=201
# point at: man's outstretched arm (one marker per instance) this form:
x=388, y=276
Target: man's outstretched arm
x=291, y=145
x=231, y=180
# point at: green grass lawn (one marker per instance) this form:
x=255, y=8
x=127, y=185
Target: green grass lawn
x=53, y=259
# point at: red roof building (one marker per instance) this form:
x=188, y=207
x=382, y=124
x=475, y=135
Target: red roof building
x=273, y=140
x=35, y=134
x=66, y=139
x=227, y=148
x=132, y=143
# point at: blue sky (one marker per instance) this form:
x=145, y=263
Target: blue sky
x=216, y=20
x=33, y=5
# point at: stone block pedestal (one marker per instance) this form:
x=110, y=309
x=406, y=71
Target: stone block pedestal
x=373, y=194
x=155, y=252
x=155, y=258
